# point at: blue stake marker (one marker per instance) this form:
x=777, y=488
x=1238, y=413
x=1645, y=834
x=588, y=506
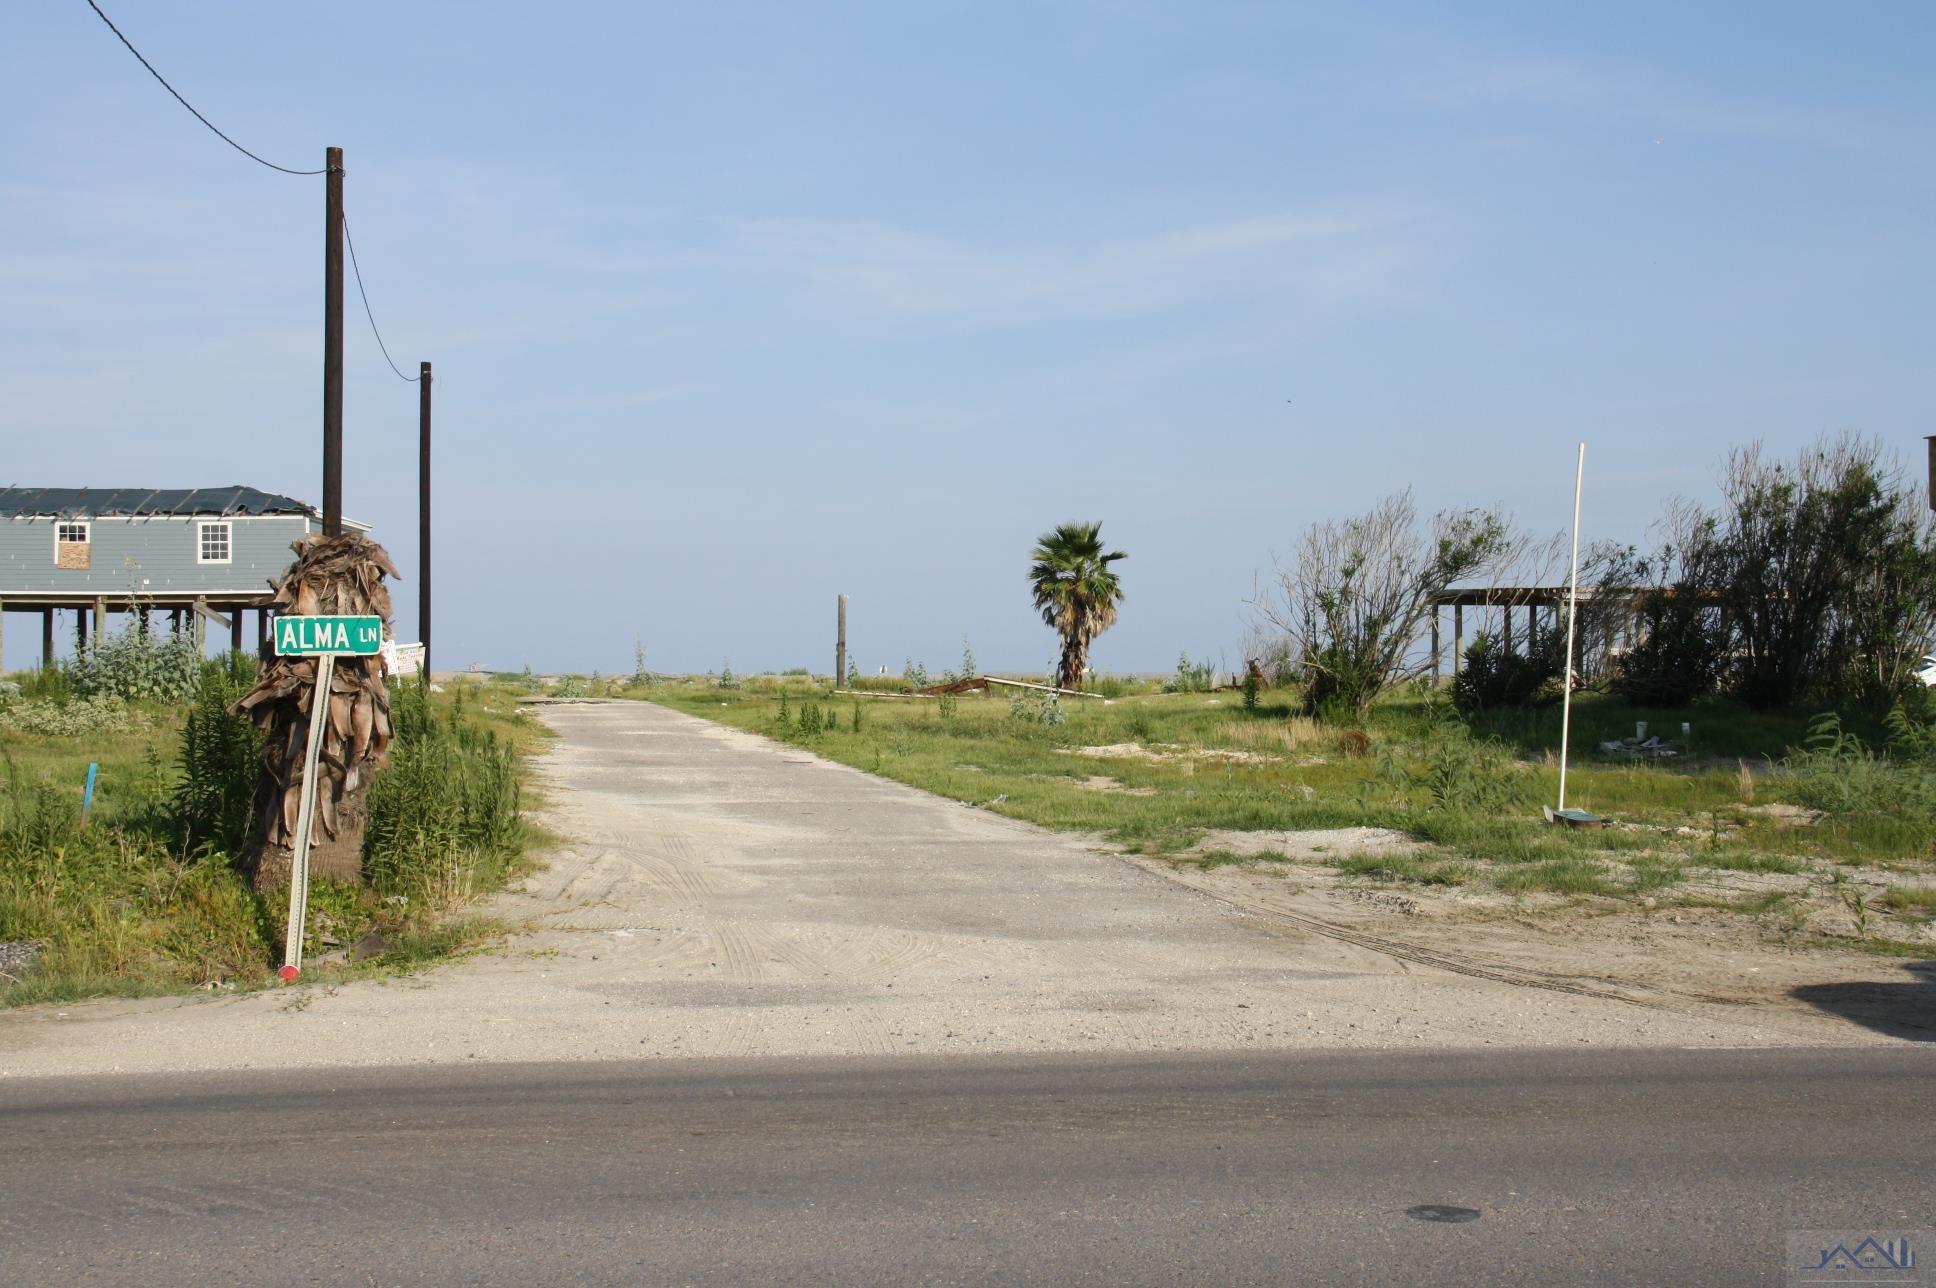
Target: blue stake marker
x=87, y=797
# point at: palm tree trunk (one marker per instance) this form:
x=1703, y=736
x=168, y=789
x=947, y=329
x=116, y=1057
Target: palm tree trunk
x=1075, y=661
x=331, y=575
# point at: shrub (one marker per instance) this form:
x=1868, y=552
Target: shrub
x=1457, y=772
x=220, y=757
x=1493, y=675
x=1037, y=708
x=1352, y=606
x=68, y=719
x=1911, y=727
x=445, y=817
x=1678, y=653
x=1191, y=677
x=1839, y=775
x=1830, y=574
x=137, y=664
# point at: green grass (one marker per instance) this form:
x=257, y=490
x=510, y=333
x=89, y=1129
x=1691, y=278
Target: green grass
x=1474, y=796
x=1211, y=860
x=1732, y=858
x=127, y=906
x=1560, y=876
x=1911, y=899
x=1417, y=869
x=1652, y=875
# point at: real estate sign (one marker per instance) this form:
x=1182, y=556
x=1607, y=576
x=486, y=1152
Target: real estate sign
x=338, y=636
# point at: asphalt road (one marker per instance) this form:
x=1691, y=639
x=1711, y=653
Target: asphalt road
x=1637, y=1166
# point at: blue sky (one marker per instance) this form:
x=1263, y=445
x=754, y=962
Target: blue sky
x=735, y=307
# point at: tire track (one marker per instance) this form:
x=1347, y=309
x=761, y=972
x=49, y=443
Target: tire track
x=903, y=949
x=1496, y=972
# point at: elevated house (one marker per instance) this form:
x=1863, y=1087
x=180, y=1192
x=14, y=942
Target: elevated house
x=201, y=555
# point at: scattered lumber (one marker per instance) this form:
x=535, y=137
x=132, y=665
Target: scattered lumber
x=973, y=684
x=1040, y=688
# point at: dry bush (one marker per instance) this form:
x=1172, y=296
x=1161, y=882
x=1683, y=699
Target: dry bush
x=1270, y=735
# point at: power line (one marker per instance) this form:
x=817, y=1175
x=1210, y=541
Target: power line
x=357, y=269
x=184, y=102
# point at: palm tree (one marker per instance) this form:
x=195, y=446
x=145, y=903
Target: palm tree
x=1076, y=591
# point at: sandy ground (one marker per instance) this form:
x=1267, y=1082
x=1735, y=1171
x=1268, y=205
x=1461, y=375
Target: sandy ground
x=723, y=895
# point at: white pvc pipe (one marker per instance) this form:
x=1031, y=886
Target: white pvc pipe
x=1572, y=614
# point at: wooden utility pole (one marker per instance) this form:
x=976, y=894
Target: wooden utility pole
x=1932, y=471
x=840, y=646
x=423, y=513
x=333, y=342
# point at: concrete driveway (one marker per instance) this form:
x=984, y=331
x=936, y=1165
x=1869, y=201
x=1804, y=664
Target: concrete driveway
x=718, y=894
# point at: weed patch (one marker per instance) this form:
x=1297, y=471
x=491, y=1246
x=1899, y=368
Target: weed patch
x=1418, y=869
x=147, y=899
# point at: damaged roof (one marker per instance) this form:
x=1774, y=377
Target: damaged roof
x=143, y=502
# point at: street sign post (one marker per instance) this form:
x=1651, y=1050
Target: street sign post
x=325, y=639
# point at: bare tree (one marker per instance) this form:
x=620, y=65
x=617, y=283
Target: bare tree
x=1354, y=602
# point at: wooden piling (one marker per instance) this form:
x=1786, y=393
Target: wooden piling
x=840, y=643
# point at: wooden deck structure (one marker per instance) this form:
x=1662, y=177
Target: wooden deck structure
x=1509, y=600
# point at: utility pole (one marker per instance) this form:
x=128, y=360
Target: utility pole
x=840, y=647
x=1932, y=471
x=423, y=512
x=333, y=342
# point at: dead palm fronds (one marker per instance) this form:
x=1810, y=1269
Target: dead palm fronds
x=331, y=575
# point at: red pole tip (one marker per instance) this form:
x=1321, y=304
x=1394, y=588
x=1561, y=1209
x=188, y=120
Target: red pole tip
x=288, y=974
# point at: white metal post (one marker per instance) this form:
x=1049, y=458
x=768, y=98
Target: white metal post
x=306, y=818
x=1572, y=614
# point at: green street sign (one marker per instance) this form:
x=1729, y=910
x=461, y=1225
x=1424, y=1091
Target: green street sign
x=342, y=636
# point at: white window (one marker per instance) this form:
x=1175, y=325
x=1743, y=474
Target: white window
x=71, y=548
x=212, y=543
